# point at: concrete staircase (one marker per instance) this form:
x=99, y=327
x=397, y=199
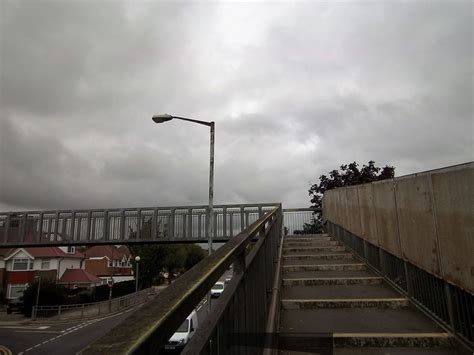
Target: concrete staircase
x=329, y=299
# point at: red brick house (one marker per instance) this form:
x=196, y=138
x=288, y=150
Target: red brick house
x=109, y=262
x=22, y=265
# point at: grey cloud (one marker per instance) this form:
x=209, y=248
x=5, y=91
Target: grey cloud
x=295, y=90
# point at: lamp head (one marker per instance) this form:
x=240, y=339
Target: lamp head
x=162, y=118
x=137, y=258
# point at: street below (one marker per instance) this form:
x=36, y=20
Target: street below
x=67, y=338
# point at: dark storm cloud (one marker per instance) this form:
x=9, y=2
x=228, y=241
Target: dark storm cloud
x=296, y=89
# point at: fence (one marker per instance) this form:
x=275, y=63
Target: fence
x=239, y=315
x=91, y=310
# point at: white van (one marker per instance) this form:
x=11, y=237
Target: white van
x=185, y=332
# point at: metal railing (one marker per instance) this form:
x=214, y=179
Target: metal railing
x=447, y=304
x=126, y=225
x=294, y=219
x=91, y=310
x=239, y=314
x=137, y=225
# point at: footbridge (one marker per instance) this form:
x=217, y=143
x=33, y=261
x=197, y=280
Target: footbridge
x=392, y=273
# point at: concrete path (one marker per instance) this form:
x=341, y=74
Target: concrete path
x=331, y=301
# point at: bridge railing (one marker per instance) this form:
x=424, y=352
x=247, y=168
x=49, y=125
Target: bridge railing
x=237, y=318
x=137, y=225
x=295, y=219
x=126, y=225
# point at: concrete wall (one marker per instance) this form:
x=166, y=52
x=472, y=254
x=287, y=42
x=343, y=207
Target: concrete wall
x=426, y=219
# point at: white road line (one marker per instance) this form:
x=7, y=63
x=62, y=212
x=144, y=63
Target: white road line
x=79, y=326
x=38, y=331
x=25, y=327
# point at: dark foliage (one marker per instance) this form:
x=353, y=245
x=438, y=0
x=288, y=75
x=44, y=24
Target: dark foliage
x=50, y=294
x=119, y=289
x=170, y=258
x=348, y=175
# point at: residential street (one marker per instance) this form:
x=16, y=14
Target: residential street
x=66, y=338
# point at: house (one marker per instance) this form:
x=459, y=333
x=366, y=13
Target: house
x=79, y=278
x=23, y=265
x=109, y=262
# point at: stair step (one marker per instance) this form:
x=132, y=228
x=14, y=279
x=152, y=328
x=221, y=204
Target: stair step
x=339, y=291
x=307, y=250
x=308, y=239
x=365, y=343
x=356, y=320
x=318, y=261
x=391, y=303
x=318, y=256
x=325, y=274
x=390, y=340
x=320, y=235
x=325, y=267
x=304, y=244
x=373, y=280
x=386, y=351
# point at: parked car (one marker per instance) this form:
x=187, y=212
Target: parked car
x=15, y=306
x=217, y=289
x=183, y=334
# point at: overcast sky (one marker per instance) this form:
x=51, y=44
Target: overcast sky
x=296, y=89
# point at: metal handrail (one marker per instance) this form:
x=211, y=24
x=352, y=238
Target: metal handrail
x=148, y=329
x=273, y=316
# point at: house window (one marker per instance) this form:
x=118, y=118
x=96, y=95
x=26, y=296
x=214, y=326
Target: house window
x=45, y=264
x=109, y=264
x=22, y=264
x=71, y=250
x=16, y=291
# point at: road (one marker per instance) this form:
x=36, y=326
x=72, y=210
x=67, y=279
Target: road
x=66, y=338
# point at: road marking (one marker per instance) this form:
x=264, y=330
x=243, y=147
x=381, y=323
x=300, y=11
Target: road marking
x=4, y=350
x=26, y=327
x=39, y=331
x=77, y=327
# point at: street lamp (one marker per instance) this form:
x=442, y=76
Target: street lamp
x=164, y=118
x=37, y=296
x=137, y=259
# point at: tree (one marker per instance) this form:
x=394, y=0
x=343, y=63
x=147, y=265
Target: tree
x=348, y=175
x=194, y=254
x=171, y=258
x=50, y=294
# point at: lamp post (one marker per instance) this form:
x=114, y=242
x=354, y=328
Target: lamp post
x=164, y=118
x=137, y=259
x=37, y=296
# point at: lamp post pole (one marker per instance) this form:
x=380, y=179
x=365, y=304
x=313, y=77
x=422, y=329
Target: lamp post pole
x=211, y=192
x=37, y=296
x=137, y=260
x=210, y=230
